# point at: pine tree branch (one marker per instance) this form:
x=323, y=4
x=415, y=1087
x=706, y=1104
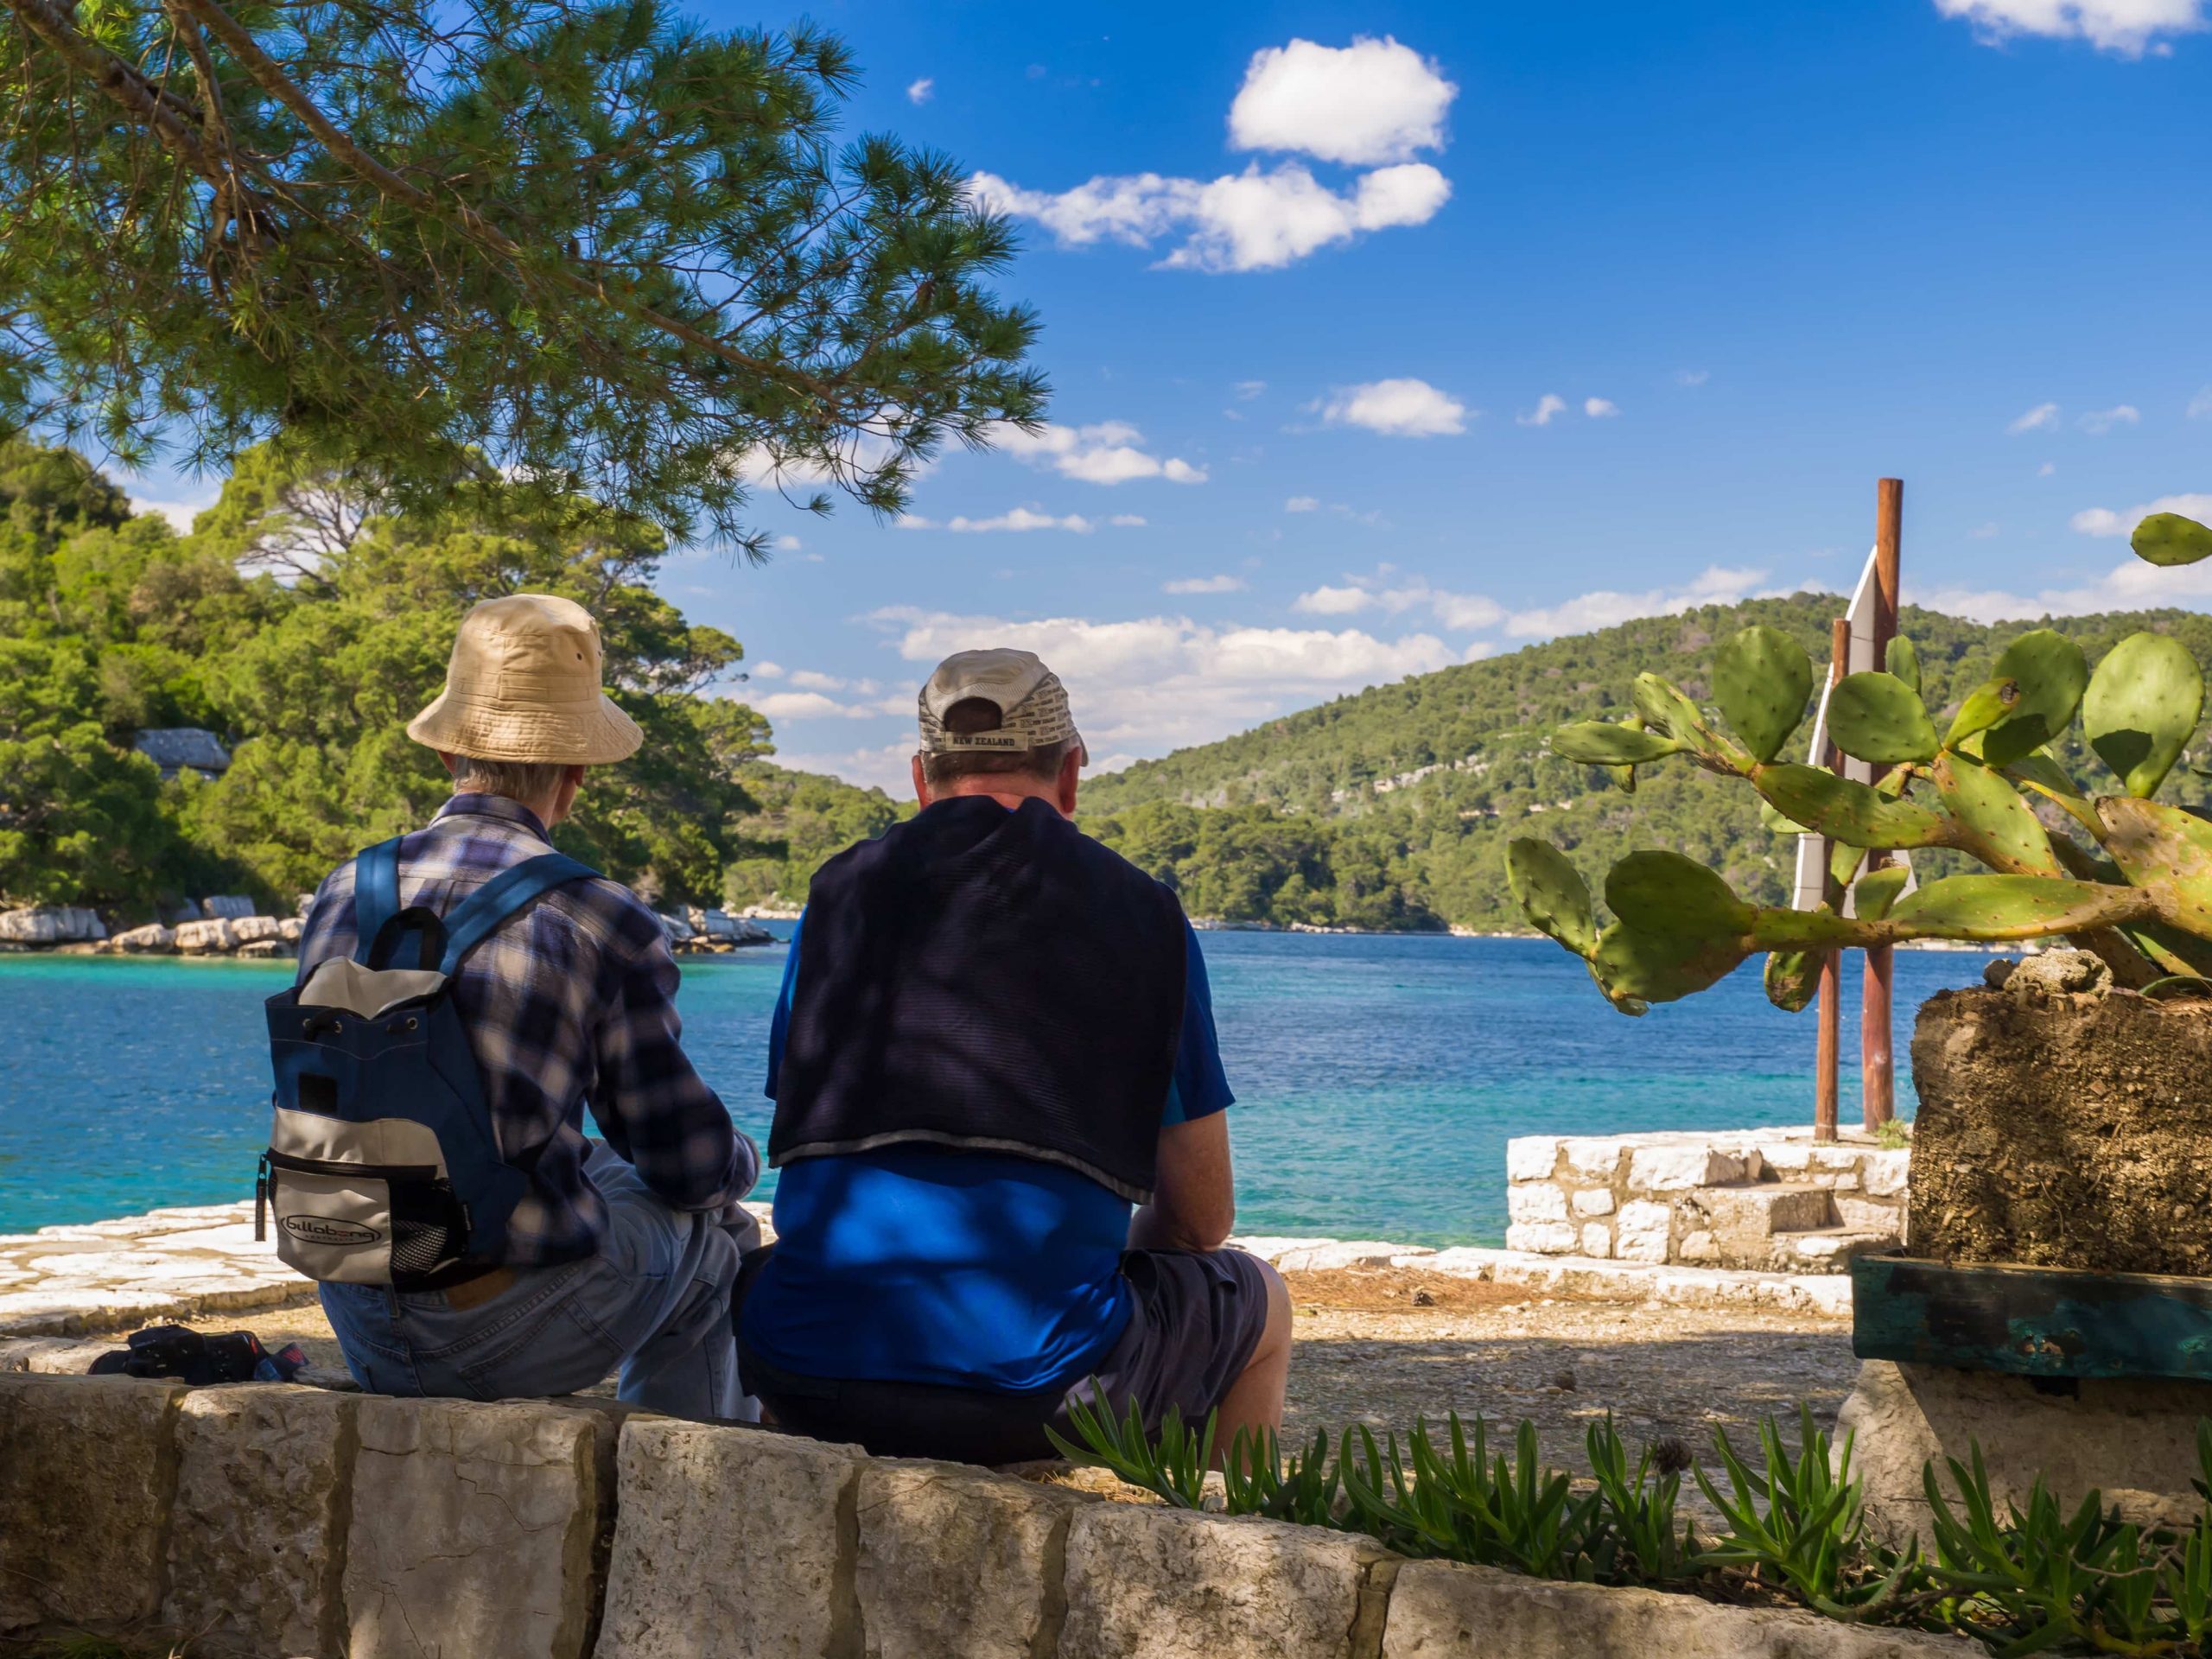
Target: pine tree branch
x=271, y=76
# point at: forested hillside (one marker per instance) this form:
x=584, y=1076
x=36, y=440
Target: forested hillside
x=1392, y=809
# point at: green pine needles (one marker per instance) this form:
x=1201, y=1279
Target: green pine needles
x=2023, y=1577
x=584, y=245
x=2120, y=873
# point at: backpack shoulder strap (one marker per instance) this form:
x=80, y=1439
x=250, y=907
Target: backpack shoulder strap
x=473, y=920
x=376, y=894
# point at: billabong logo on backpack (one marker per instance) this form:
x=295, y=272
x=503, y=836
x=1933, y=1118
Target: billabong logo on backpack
x=331, y=1230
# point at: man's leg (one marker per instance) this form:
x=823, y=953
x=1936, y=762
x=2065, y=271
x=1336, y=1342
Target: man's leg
x=1254, y=1400
x=675, y=1271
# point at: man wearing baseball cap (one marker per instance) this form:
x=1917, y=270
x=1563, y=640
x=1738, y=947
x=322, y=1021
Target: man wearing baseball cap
x=999, y=1122
x=617, y=1254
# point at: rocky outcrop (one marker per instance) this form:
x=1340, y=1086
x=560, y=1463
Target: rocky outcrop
x=2063, y=1124
x=51, y=924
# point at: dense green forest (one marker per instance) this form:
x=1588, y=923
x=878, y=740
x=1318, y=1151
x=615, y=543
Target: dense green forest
x=302, y=624
x=1392, y=809
x=301, y=621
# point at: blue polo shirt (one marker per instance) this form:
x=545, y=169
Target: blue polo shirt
x=969, y=1269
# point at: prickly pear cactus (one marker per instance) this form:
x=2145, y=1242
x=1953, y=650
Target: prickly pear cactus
x=2130, y=879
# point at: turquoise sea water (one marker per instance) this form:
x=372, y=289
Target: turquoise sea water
x=1377, y=1079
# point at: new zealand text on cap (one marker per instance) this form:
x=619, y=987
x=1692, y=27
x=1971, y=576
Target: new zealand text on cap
x=1032, y=704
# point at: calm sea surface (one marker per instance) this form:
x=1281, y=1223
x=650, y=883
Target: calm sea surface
x=1377, y=1079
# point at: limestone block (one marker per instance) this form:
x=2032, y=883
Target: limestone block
x=1538, y=1202
x=87, y=1473
x=153, y=939
x=1151, y=1583
x=262, y=1473
x=1870, y=1214
x=954, y=1560
x=1441, y=1610
x=471, y=1530
x=246, y=929
x=1594, y=1201
x=678, y=930
x=1643, y=1232
x=1697, y=1247
x=226, y=906
x=2133, y=1438
x=1597, y=1239
x=291, y=929
x=204, y=938
x=1531, y=1158
x=38, y=925
x=1545, y=1238
x=1592, y=1158
x=726, y=1546
x=1678, y=1169
x=1883, y=1173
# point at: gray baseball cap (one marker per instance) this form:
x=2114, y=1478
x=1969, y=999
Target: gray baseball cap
x=1032, y=704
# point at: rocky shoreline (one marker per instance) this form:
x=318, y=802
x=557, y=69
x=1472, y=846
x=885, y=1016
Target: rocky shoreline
x=229, y=925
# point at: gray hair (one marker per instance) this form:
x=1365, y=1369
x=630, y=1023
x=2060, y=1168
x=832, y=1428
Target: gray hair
x=518, y=780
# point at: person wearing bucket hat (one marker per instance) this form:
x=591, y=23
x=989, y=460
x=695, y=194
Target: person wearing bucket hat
x=999, y=1123
x=616, y=1254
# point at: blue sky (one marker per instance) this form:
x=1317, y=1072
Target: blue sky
x=1439, y=328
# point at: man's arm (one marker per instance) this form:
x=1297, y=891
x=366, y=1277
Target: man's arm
x=1194, y=1200
x=653, y=1108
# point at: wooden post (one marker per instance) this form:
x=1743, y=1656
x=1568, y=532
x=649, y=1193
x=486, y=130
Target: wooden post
x=1877, y=1064
x=1831, y=992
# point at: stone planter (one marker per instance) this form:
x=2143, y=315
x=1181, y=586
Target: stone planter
x=2062, y=1126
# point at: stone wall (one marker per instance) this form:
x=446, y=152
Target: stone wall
x=1764, y=1200
x=263, y=1519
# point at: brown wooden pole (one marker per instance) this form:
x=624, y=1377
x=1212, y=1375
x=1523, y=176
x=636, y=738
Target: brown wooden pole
x=1878, y=1086
x=1831, y=992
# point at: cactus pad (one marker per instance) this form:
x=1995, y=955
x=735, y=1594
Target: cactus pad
x=1792, y=977
x=1878, y=717
x=1601, y=743
x=1853, y=812
x=1553, y=893
x=1997, y=826
x=2004, y=907
x=1903, y=661
x=2167, y=851
x=1761, y=679
x=1664, y=892
x=2051, y=674
x=2169, y=539
x=2141, y=707
x=1878, y=890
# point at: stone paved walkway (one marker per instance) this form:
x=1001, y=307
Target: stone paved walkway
x=138, y=1270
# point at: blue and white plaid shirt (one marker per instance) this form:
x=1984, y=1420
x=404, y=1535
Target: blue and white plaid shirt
x=573, y=1000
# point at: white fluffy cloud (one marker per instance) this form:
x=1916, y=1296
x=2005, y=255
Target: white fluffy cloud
x=1599, y=408
x=1550, y=407
x=1371, y=102
x=2131, y=585
x=2200, y=407
x=1399, y=409
x=1155, y=681
x=2128, y=27
x=1253, y=220
x=2042, y=417
x=179, y=513
x=2101, y=420
x=1301, y=504
x=1205, y=585
x=1017, y=518
x=1107, y=453
x=922, y=91
x=1391, y=593
x=2103, y=521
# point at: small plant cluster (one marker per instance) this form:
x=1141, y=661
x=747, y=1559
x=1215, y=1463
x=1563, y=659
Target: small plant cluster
x=2023, y=1577
x=2135, y=888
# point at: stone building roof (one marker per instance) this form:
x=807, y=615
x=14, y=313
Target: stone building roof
x=173, y=748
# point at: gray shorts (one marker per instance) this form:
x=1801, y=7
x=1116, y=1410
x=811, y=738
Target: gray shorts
x=1198, y=1320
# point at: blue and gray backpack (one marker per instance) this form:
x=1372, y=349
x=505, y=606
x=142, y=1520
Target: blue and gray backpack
x=382, y=1166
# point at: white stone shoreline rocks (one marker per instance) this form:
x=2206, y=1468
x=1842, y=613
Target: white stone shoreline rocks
x=227, y=927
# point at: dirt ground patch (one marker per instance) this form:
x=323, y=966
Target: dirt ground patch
x=1370, y=1350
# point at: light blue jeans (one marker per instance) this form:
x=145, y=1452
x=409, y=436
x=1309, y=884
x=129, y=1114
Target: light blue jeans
x=654, y=1301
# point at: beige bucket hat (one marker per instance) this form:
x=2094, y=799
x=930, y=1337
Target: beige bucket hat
x=524, y=686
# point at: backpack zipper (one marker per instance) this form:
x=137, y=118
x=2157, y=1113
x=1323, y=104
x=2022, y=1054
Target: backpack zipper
x=275, y=1160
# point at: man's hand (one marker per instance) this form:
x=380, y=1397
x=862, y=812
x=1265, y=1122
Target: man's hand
x=1194, y=1200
